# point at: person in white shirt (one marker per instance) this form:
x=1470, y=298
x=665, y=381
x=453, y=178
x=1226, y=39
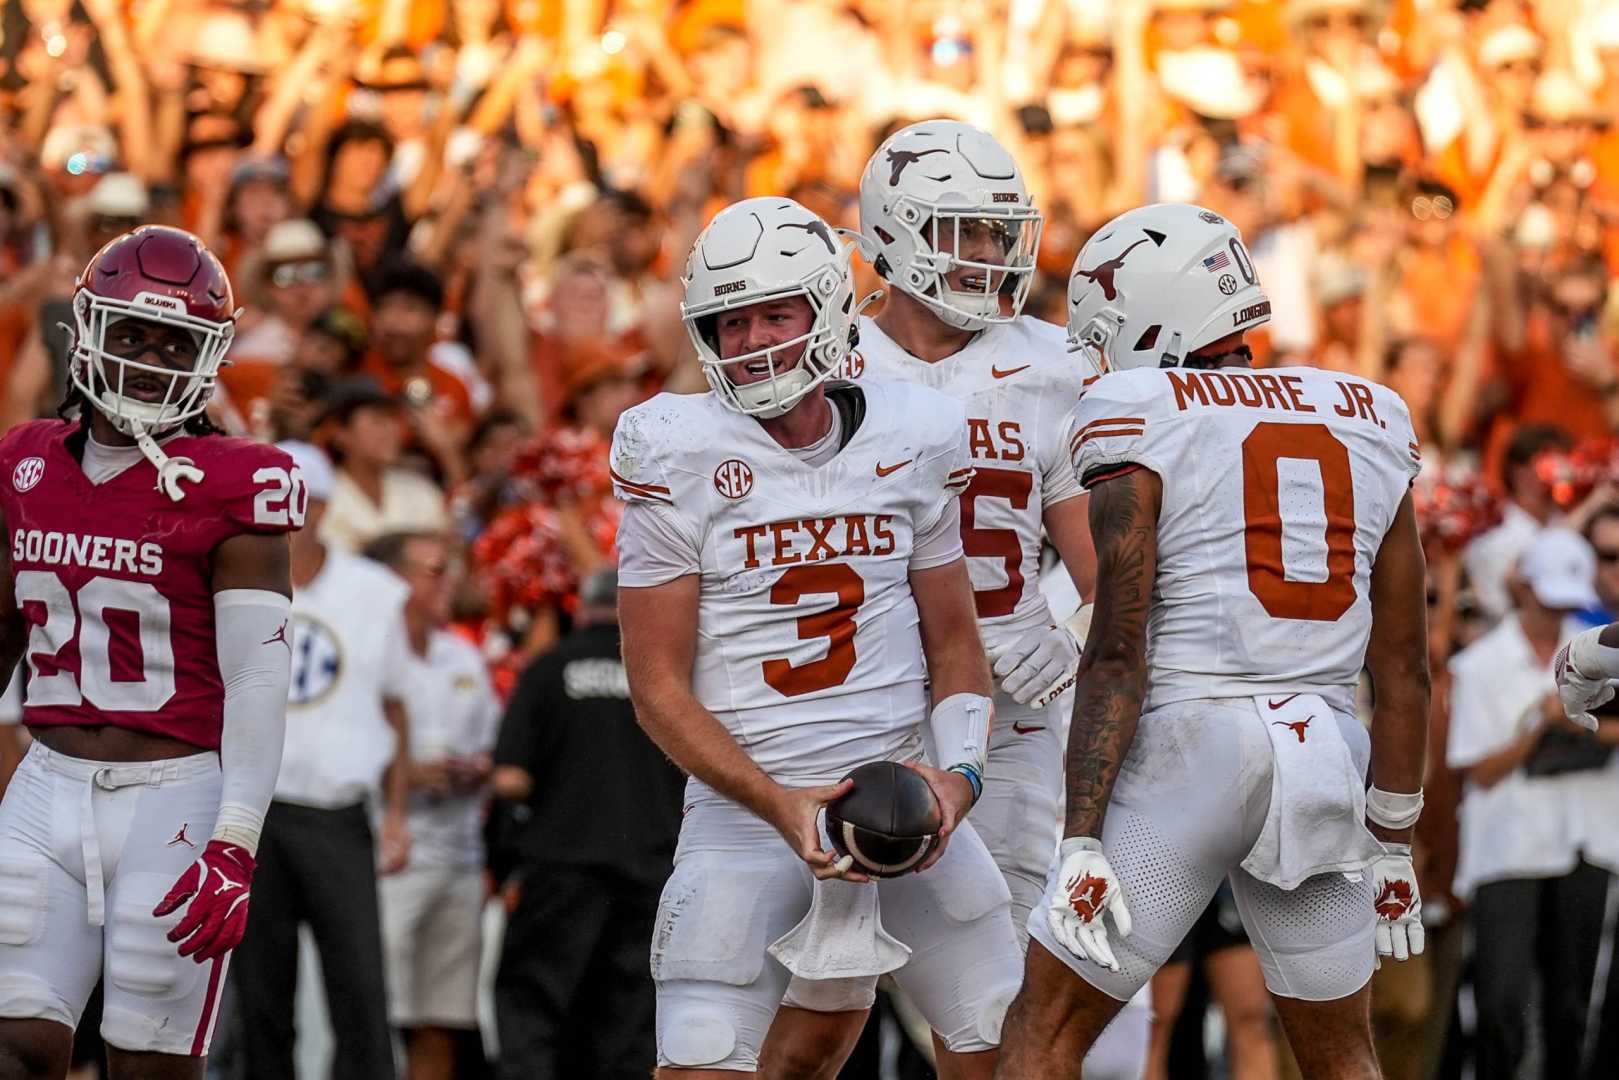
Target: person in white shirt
x=371, y=493
x=1537, y=816
x=1489, y=560
x=347, y=745
x=432, y=909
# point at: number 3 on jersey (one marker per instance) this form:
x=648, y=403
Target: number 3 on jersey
x=836, y=624
x=1262, y=453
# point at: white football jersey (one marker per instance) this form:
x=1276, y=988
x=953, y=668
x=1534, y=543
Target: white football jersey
x=1278, y=488
x=1018, y=385
x=809, y=650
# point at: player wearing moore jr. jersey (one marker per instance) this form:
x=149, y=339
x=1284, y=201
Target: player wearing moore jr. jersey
x=1256, y=550
x=794, y=603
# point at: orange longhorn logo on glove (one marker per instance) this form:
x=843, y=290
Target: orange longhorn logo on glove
x=1394, y=900
x=1086, y=896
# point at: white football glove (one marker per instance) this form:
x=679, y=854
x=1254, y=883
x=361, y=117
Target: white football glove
x=1579, y=692
x=1037, y=667
x=1087, y=888
x=1399, y=906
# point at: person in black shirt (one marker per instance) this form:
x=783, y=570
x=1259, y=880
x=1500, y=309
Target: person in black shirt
x=589, y=816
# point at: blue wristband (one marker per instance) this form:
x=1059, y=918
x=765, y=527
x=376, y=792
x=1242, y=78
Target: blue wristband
x=972, y=776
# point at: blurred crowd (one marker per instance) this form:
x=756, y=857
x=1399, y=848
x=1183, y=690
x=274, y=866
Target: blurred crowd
x=456, y=231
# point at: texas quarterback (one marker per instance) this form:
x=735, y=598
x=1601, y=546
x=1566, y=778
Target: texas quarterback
x=792, y=596
x=145, y=584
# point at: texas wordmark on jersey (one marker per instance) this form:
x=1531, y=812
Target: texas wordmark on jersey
x=808, y=645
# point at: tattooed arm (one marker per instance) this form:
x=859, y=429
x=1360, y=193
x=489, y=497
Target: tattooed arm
x=1113, y=670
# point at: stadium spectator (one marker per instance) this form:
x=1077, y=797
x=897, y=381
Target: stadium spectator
x=372, y=492
x=432, y=909
x=599, y=809
x=1534, y=785
x=347, y=749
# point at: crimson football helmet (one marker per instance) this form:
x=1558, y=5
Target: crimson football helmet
x=162, y=275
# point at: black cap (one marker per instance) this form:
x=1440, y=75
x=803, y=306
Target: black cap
x=348, y=395
x=413, y=279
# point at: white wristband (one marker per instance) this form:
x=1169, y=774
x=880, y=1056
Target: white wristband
x=1393, y=809
x=960, y=727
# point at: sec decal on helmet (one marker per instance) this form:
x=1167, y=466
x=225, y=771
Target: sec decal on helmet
x=154, y=274
x=1158, y=283
x=888, y=822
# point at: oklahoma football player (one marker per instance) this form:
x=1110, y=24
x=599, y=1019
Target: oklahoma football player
x=1256, y=549
x=792, y=593
x=145, y=584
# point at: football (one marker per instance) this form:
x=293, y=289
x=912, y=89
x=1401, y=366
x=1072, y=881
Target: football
x=889, y=821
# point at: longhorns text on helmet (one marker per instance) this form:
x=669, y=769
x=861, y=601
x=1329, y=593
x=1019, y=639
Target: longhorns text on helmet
x=1159, y=282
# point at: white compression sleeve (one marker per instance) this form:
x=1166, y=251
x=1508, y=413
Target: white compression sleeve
x=255, y=664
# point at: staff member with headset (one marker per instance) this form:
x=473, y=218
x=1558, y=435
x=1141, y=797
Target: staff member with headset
x=347, y=743
x=592, y=810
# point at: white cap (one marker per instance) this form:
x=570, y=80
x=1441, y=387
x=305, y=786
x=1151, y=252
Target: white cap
x=312, y=461
x=119, y=195
x=294, y=240
x=1560, y=569
x=1210, y=82
x=1507, y=43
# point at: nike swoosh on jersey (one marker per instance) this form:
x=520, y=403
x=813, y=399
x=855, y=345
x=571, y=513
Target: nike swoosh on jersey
x=884, y=470
x=1278, y=704
x=999, y=374
x=1021, y=730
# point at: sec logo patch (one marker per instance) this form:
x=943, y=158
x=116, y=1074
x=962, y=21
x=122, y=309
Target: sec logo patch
x=733, y=479
x=29, y=471
x=853, y=366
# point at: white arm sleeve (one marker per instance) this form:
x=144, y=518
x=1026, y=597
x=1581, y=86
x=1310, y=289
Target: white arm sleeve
x=255, y=665
x=654, y=546
x=939, y=543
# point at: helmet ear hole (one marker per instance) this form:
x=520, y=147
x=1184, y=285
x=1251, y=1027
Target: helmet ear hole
x=1148, y=338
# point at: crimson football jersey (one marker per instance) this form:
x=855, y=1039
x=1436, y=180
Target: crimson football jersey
x=114, y=579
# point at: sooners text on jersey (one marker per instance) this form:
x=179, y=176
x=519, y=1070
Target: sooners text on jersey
x=114, y=579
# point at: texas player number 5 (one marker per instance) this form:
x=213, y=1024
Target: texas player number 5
x=283, y=500
x=1015, y=487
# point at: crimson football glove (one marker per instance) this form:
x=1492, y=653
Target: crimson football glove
x=218, y=885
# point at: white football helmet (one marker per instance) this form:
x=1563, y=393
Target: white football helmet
x=1159, y=282
x=766, y=249
x=929, y=189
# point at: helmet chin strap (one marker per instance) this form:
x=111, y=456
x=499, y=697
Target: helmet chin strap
x=170, y=470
